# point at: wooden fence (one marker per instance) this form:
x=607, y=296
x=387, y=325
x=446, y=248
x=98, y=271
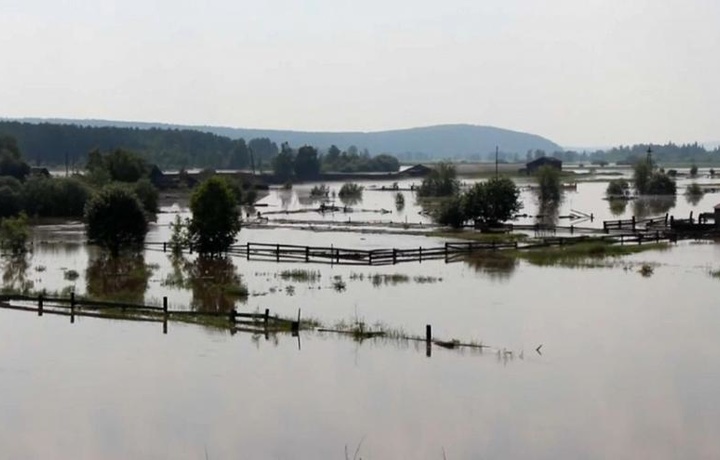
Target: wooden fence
x=633, y=223
x=255, y=323
x=449, y=252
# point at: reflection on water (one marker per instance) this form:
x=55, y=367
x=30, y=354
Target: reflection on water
x=495, y=264
x=646, y=206
x=123, y=278
x=693, y=198
x=548, y=212
x=15, y=269
x=617, y=207
x=215, y=284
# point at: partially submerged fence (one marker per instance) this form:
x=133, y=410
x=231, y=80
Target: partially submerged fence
x=254, y=323
x=449, y=252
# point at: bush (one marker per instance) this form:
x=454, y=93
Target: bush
x=62, y=197
x=147, y=194
x=493, y=201
x=617, y=188
x=350, y=190
x=451, y=212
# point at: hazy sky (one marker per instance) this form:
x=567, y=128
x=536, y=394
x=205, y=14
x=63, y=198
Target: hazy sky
x=580, y=72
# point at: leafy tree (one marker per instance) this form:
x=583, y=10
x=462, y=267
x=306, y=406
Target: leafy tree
x=493, y=201
x=550, y=188
x=307, y=163
x=440, y=182
x=61, y=197
x=283, y=163
x=10, y=202
x=115, y=220
x=215, y=217
x=125, y=166
x=661, y=184
x=263, y=150
x=147, y=194
x=14, y=233
x=451, y=212
x=693, y=170
x=11, y=163
x=649, y=181
x=642, y=172
x=239, y=156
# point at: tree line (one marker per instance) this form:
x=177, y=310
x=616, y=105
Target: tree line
x=59, y=145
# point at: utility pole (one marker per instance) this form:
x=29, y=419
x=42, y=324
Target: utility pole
x=496, y=162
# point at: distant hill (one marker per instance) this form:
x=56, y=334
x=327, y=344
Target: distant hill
x=442, y=141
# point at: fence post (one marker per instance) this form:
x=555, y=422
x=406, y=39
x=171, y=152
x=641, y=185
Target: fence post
x=277, y=253
x=267, y=318
x=572, y=229
x=247, y=251
x=72, y=307
x=428, y=340
x=164, y=246
x=307, y=253
x=165, y=315
x=370, y=254
x=40, y=305
x=633, y=223
x=394, y=256
x=446, y=252
x=420, y=254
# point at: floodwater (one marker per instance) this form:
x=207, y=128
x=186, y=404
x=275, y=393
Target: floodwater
x=628, y=366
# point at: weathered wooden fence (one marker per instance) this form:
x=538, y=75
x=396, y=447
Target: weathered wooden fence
x=634, y=223
x=255, y=323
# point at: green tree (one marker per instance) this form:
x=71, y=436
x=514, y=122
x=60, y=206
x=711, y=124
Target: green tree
x=549, y=186
x=307, y=163
x=14, y=233
x=642, y=172
x=147, y=194
x=283, y=163
x=441, y=181
x=215, y=217
x=11, y=162
x=493, y=201
x=125, y=166
x=693, y=170
x=115, y=220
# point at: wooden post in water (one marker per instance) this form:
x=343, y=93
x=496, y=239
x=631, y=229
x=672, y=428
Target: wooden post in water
x=164, y=246
x=307, y=253
x=572, y=229
x=277, y=253
x=370, y=254
x=633, y=223
x=446, y=252
x=420, y=253
x=394, y=256
x=267, y=318
x=428, y=340
x=165, y=315
x=247, y=251
x=40, y=305
x=72, y=307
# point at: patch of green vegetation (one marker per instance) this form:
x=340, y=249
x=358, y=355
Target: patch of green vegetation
x=586, y=254
x=715, y=274
x=71, y=275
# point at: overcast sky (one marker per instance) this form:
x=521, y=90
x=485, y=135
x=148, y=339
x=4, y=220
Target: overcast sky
x=579, y=72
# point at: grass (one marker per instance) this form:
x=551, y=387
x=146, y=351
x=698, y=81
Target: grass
x=586, y=254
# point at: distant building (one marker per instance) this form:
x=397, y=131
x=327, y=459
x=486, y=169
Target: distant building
x=534, y=165
x=416, y=171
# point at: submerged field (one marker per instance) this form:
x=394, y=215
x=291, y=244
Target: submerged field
x=590, y=355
